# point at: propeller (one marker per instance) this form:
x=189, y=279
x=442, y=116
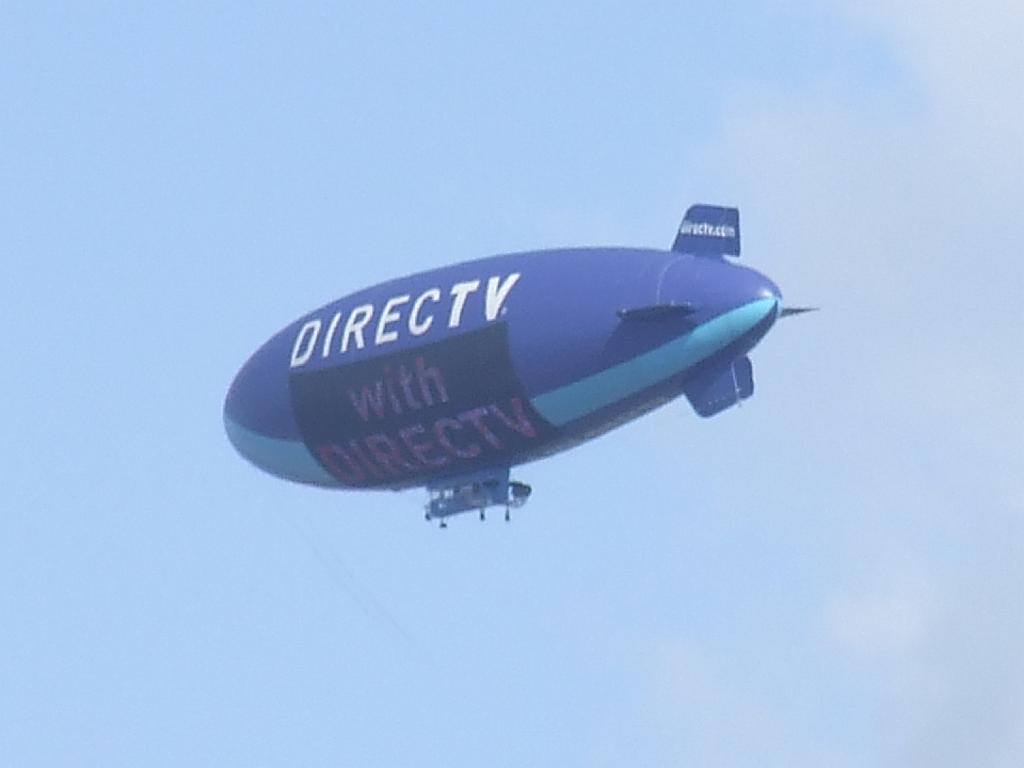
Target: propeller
x=787, y=311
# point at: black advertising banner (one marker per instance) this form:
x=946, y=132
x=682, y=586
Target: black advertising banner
x=446, y=408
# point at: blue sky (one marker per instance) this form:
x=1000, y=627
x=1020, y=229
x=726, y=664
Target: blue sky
x=832, y=574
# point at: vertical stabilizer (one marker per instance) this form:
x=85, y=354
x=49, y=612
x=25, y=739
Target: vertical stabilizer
x=714, y=392
x=708, y=230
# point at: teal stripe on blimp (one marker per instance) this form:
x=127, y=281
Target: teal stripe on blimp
x=289, y=459
x=560, y=406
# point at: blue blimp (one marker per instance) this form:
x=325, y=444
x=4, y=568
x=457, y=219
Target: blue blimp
x=449, y=378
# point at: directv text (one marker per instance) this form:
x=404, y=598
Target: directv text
x=400, y=315
x=409, y=426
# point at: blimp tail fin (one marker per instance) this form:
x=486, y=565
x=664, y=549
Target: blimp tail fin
x=714, y=392
x=709, y=230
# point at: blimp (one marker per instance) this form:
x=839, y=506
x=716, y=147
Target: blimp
x=449, y=379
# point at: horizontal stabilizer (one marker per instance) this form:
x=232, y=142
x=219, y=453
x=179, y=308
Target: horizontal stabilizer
x=714, y=392
x=708, y=230
x=657, y=312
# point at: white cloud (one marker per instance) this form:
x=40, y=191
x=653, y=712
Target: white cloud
x=966, y=55
x=889, y=619
x=904, y=223
x=702, y=715
x=900, y=212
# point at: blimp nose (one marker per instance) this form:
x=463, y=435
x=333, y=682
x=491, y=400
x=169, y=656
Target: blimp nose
x=259, y=422
x=258, y=397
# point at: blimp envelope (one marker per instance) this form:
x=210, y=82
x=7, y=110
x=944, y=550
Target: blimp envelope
x=449, y=378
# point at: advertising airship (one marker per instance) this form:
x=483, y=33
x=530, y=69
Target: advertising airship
x=447, y=379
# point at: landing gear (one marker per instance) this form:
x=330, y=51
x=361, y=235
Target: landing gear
x=508, y=514
x=482, y=515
